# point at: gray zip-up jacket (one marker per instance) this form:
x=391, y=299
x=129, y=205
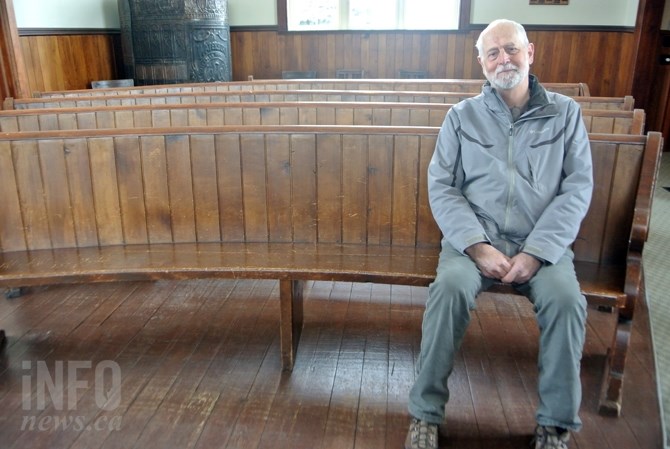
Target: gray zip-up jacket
x=521, y=185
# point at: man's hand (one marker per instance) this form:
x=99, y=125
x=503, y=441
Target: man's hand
x=491, y=262
x=523, y=267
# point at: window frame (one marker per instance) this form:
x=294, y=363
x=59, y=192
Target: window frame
x=282, y=21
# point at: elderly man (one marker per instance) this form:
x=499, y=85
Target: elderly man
x=509, y=184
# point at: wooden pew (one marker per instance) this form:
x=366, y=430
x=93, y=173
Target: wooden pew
x=274, y=113
x=622, y=103
x=434, y=85
x=291, y=203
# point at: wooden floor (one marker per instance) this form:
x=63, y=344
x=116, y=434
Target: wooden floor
x=199, y=367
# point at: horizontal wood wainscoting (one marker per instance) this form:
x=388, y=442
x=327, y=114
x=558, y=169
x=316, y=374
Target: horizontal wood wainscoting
x=623, y=103
x=430, y=85
x=290, y=203
x=274, y=113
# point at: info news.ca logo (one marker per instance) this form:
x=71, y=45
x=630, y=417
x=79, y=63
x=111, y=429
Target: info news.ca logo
x=60, y=389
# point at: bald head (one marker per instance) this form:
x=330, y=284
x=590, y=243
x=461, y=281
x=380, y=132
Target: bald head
x=502, y=24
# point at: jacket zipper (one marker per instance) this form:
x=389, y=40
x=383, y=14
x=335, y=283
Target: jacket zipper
x=512, y=180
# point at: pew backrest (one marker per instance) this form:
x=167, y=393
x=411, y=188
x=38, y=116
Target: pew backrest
x=622, y=103
x=274, y=113
x=433, y=85
x=267, y=183
x=357, y=185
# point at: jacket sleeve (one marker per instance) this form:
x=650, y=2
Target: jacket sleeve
x=452, y=212
x=558, y=225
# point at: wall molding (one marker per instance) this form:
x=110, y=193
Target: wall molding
x=276, y=28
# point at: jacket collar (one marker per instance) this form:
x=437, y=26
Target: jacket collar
x=539, y=101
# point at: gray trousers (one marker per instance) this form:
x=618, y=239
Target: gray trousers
x=561, y=315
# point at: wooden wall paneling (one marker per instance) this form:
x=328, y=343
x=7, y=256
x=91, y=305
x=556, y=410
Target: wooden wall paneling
x=60, y=62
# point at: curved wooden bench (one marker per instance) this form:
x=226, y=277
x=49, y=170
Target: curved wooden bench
x=274, y=113
x=291, y=203
x=435, y=85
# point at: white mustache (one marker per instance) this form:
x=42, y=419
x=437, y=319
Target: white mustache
x=508, y=66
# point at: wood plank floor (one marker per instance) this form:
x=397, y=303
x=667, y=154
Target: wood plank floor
x=198, y=367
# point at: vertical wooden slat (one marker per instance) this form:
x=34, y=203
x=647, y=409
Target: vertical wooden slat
x=28, y=123
x=67, y=121
x=81, y=191
x=196, y=117
x=303, y=187
x=289, y=115
x=31, y=194
x=164, y=119
x=588, y=245
x=344, y=115
x=354, y=188
x=131, y=189
x=380, y=180
x=157, y=202
x=215, y=116
x=124, y=119
x=279, y=201
x=105, y=119
x=142, y=119
x=405, y=189
x=180, y=188
x=382, y=116
x=229, y=172
x=105, y=190
x=205, y=190
x=622, y=201
x=56, y=193
x=329, y=188
x=268, y=116
x=9, y=124
x=12, y=236
x=602, y=125
x=254, y=187
x=253, y=117
x=362, y=116
x=48, y=122
x=233, y=116
x=400, y=117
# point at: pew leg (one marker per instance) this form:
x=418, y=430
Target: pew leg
x=291, y=305
x=613, y=376
x=3, y=339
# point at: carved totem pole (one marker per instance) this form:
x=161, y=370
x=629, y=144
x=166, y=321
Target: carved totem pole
x=175, y=41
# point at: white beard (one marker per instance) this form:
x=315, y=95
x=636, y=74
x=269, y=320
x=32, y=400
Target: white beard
x=510, y=79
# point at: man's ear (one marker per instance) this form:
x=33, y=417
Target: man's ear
x=531, y=53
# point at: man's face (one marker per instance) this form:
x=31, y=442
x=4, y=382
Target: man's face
x=505, y=60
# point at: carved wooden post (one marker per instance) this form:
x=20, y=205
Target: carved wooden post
x=175, y=41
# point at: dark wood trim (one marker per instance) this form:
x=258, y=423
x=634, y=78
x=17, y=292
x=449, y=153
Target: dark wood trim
x=113, y=31
x=581, y=28
x=464, y=14
x=282, y=16
x=247, y=28
x=648, y=27
x=66, y=31
x=280, y=28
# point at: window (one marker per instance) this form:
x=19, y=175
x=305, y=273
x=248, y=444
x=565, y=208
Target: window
x=305, y=15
